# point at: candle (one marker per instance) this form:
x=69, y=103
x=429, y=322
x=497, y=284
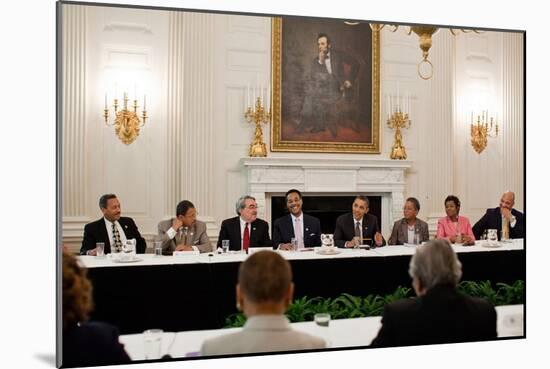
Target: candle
x=135, y=91
x=247, y=95
x=116, y=90
x=388, y=109
x=105, y=101
x=144, y=101
x=262, y=92
x=472, y=118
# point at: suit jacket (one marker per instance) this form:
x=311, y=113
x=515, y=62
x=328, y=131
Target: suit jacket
x=442, y=315
x=345, y=228
x=400, y=232
x=91, y=344
x=262, y=333
x=97, y=232
x=493, y=220
x=199, y=239
x=283, y=230
x=231, y=230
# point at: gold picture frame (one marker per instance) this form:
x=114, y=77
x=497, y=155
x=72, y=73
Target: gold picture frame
x=301, y=124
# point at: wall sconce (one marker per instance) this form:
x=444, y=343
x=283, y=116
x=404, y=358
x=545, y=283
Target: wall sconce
x=127, y=122
x=481, y=128
x=425, y=34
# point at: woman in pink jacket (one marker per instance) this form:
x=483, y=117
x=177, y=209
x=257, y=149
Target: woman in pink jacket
x=455, y=228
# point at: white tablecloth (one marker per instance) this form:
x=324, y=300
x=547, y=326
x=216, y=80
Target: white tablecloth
x=150, y=259
x=340, y=333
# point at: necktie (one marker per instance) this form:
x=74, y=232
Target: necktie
x=298, y=233
x=116, y=238
x=357, y=229
x=246, y=238
x=505, y=228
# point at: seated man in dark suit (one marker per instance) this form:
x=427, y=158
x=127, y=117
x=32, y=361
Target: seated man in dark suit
x=440, y=313
x=503, y=217
x=112, y=229
x=305, y=228
x=245, y=230
x=358, y=224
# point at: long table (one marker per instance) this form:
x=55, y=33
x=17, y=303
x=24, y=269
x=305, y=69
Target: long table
x=196, y=292
x=358, y=332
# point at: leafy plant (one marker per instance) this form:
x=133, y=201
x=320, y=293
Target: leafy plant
x=349, y=306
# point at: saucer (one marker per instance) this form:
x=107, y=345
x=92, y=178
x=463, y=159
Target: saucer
x=328, y=251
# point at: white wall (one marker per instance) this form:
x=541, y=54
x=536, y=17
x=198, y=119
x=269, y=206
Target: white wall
x=195, y=68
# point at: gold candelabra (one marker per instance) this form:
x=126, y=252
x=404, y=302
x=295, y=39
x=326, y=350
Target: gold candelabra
x=127, y=122
x=397, y=121
x=482, y=127
x=259, y=115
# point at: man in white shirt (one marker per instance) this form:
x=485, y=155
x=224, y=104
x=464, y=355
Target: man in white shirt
x=112, y=229
x=504, y=218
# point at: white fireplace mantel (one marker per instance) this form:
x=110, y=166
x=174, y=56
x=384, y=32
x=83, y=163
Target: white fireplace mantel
x=385, y=178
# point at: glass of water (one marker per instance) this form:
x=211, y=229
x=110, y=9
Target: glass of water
x=294, y=243
x=158, y=248
x=225, y=246
x=100, y=249
x=322, y=321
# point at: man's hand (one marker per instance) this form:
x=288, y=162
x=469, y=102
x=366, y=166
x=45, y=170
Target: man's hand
x=286, y=246
x=378, y=239
x=507, y=213
x=184, y=248
x=92, y=252
x=347, y=84
x=350, y=244
x=176, y=224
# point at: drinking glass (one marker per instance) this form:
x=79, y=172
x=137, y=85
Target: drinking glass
x=356, y=242
x=158, y=248
x=322, y=321
x=100, y=249
x=152, y=340
x=225, y=246
x=416, y=238
x=294, y=243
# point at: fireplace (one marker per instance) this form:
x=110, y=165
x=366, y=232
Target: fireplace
x=381, y=180
x=326, y=208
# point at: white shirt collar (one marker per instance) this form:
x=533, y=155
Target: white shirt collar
x=301, y=217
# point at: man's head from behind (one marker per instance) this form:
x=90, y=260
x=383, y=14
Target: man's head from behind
x=110, y=207
x=265, y=284
x=434, y=263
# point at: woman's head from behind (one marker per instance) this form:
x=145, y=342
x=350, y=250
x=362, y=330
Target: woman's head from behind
x=265, y=284
x=77, y=292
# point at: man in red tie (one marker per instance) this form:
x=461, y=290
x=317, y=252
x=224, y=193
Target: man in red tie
x=245, y=230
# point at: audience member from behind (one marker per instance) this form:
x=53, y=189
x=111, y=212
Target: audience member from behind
x=406, y=228
x=184, y=232
x=111, y=229
x=264, y=291
x=85, y=343
x=454, y=228
x=502, y=218
x=440, y=313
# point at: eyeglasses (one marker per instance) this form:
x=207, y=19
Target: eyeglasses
x=251, y=207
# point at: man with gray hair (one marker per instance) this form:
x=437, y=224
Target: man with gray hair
x=245, y=230
x=440, y=313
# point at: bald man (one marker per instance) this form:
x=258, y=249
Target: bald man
x=502, y=217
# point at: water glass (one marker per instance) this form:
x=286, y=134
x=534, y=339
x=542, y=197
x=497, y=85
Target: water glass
x=416, y=238
x=100, y=249
x=356, y=242
x=294, y=243
x=152, y=340
x=458, y=238
x=225, y=246
x=322, y=321
x=158, y=248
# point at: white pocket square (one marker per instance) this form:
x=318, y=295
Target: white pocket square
x=312, y=234
x=197, y=241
